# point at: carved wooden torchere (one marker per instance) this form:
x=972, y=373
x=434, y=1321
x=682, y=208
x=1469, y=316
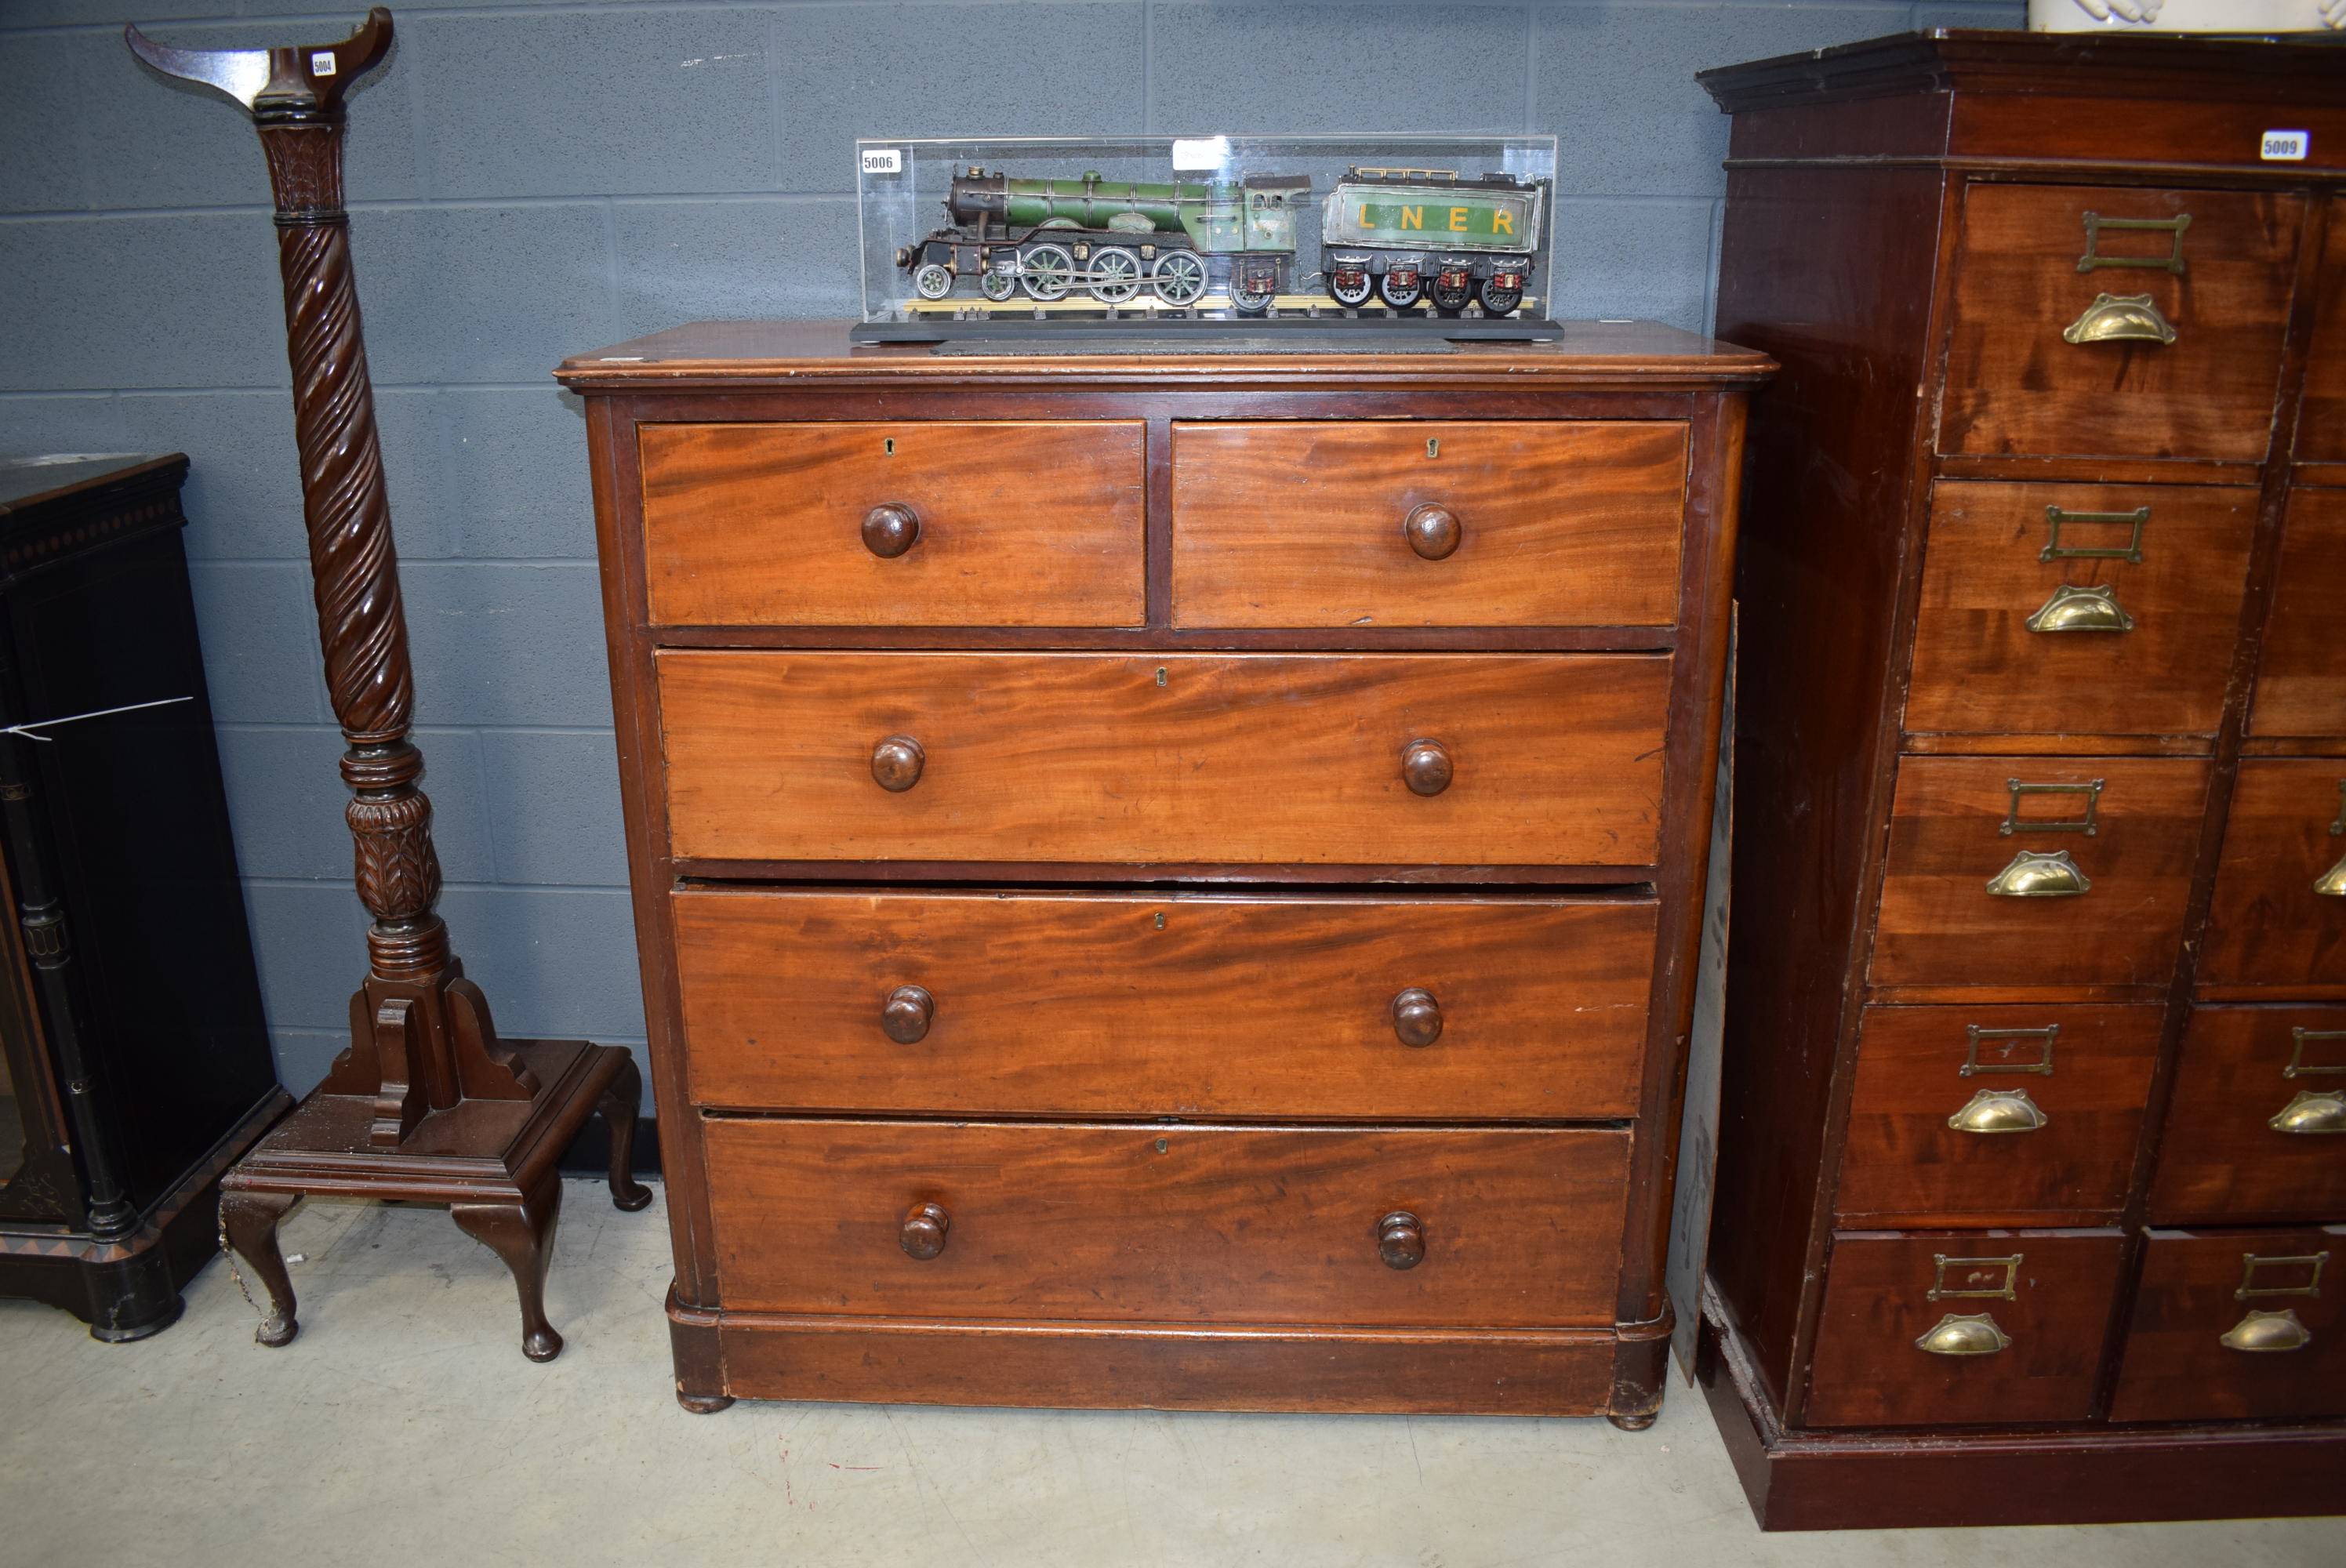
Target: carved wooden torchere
x=428, y=1103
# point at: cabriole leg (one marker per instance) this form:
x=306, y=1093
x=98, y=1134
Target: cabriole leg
x=249, y=1219
x=523, y=1234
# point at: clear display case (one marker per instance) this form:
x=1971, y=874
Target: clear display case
x=1447, y=236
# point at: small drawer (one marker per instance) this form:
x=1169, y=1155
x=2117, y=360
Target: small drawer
x=1998, y=1326
x=2301, y=674
x=2026, y=870
x=2280, y=912
x=898, y=524
x=1995, y=1116
x=1227, y=759
x=2258, y=1128
x=2118, y=322
x=2321, y=419
x=1500, y=524
x=1099, y=1004
x=2076, y=609
x=1490, y=1227
x=2228, y=1324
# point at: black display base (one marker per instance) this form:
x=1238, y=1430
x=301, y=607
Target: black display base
x=1282, y=334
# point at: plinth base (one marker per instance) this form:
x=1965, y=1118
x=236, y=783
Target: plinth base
x=492, y=1161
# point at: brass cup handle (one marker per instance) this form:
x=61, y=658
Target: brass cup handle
x=2312, y=1112
x=1400, y=1240
x=1425, y=767
x=2075, y=609
x=2120, y=319
x=1416, y=1016
x=1999, y=1111
x=890, y=529
x=2332, y=883
x=896, y=763
x=2267, y=1331
x=905, y=1015
x=923, y=1233
x=2033, y=875
x=1959, y=1335
x=1433, y=532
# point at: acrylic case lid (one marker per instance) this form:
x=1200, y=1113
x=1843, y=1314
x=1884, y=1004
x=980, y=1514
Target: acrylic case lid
x=1423, y=233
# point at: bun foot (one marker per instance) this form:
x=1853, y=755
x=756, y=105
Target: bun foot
x=1635, y=1423
x=703, y=1404
x=541, y=1344
x=276, y=1331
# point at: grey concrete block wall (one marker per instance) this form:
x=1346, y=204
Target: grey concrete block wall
x=531, y=180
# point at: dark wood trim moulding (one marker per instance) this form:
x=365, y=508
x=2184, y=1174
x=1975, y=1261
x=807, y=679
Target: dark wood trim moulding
x=1159, y=638
x=1089, y=873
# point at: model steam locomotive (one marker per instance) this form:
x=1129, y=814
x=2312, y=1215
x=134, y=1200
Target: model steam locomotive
x=1404, y=235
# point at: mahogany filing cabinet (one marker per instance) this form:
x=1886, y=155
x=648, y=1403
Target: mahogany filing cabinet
x=2032, y=1165
x=1168, y=881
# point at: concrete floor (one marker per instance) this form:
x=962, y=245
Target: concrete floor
x=404, y=1426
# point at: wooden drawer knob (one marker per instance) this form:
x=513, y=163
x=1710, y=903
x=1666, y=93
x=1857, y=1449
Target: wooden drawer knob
x=1400, y=1240
x=905, y=1014
x=1417, y=1016
x=1433, y=531
x=1426, y=765
x=890, y=529
x=896, y=763
x=925, y=1230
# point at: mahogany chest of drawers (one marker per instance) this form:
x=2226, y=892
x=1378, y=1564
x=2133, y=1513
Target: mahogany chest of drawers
x=2032, y=1169
x=1168, y=881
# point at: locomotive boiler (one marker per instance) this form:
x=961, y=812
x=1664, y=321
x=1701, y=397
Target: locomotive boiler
x=1114, y=237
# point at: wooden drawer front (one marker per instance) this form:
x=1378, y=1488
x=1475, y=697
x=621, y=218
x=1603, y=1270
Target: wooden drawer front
x=1302, y=524
x=1225, y=757
x=2301, y=674
x=2280, y=914
x=2245, y=1069
x=1520, y=1228
x=1940, y=925
x=2046, y=1296
x=1086, y=1005
x=2014, y=384
x=1995, y=1116
x=2197, y=1288
x=1018, y=524
x=2147, y=644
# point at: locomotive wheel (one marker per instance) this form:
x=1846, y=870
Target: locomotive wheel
x=1251, y=301
x=1449, y=302
x=1047, y=271
x=933, y=281
x=1351, y=295
x=1179, y=278
x=1400, y=296
x=1498, y=301
x=997, y=284
x=1116, y=275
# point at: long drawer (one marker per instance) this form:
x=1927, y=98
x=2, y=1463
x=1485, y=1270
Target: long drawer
x=1097, y=1005
x=1237, y=758
x=1493, y=1227
x=2013, y=870
x=1309, y=523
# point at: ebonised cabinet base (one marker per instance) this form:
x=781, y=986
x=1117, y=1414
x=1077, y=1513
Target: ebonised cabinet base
x=130, y=1289
x=1973, y=1477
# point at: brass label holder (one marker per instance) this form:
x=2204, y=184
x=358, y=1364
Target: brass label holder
x=2338, y=823
x=2298, y=1064
x=2171, y=262
x=2014, y=822
x=2008, y=1291
x=2251, y=1262
x=2054, y=517
x=2043, y=1065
